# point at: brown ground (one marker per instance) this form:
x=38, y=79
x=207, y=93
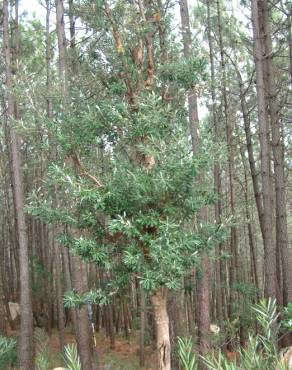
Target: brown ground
x=125, y=356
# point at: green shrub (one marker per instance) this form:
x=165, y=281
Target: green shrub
x=261, y=352
x=42, y=359
x=8, y=352
x=186, y=355
x=71, y=357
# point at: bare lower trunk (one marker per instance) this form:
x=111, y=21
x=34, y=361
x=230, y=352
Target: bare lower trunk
x=159, y=303
x=26, y=329
x=61, y=319
x=204, y=307
x=142, y=327
x=250, y=151
x=217, y=170
x=279, y=165
x=83, y=335
x=269, y=243
x=250, y=230
x=229, y=125
x=3, y=321
x=203, y=322
x=111, y=326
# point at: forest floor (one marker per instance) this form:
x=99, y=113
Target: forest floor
x=125, y=356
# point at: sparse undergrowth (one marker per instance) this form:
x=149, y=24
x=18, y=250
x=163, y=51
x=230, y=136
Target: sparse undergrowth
x=8, y=352
x=260, y=353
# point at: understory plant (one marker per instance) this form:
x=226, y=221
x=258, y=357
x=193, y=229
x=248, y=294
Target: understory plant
x=71, y=357
x=187, y=356
x=261, y=351
x=42, y=360
x=8, y=353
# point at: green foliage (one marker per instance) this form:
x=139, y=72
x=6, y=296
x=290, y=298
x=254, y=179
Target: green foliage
x=287, y=322
x=260, y=353
x=8, y=352
x=86, y=248
x=187, y=357
x=141, y=220
x=219, y=362
x=267, y=315
x=41, y=276
x=186, y=73
x=97, y=296
x=71, y=357
x=42, y=359
x=247, y=295
x=252, y=357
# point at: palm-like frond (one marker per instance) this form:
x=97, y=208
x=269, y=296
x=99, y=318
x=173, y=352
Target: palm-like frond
x=71, y=357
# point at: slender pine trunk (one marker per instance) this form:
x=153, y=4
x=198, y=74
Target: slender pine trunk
x=263, y=120
x=204, y=282
x=26, y=329
x=217, y=170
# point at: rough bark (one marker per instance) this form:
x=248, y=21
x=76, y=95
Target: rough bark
x=60, y=309
x=289, y=26
x=159, y=303
x=62, y=46
x=83, y=337
x=263, y=120
x=251, y=238
x=250, y=150
x=79, y=275
x=278, y=158
x=204, y=282
x=48, y=60
x=234, y=268
x=3, y=321
x=142, y=326
x=192, y=96
x=26, y=329
x=217, y=169
x=204, y=306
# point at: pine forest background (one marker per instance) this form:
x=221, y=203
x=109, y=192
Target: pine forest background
x=145, y=183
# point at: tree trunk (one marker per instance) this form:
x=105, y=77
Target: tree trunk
x=159, y=303
x=204, y=307
x=111, y=325
x=250, y=151
x=203, y=283
x=3, y=321
x=278, y=156
x=234, y=268
x=59, y=291
x=83, y=335
x=62, y=46
x=263, y=119
x=26, y=329
x=142, y=327
x=48, y=60
x=251, y=238
x=289, y=26
x=192, y=96
x=217, y=170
